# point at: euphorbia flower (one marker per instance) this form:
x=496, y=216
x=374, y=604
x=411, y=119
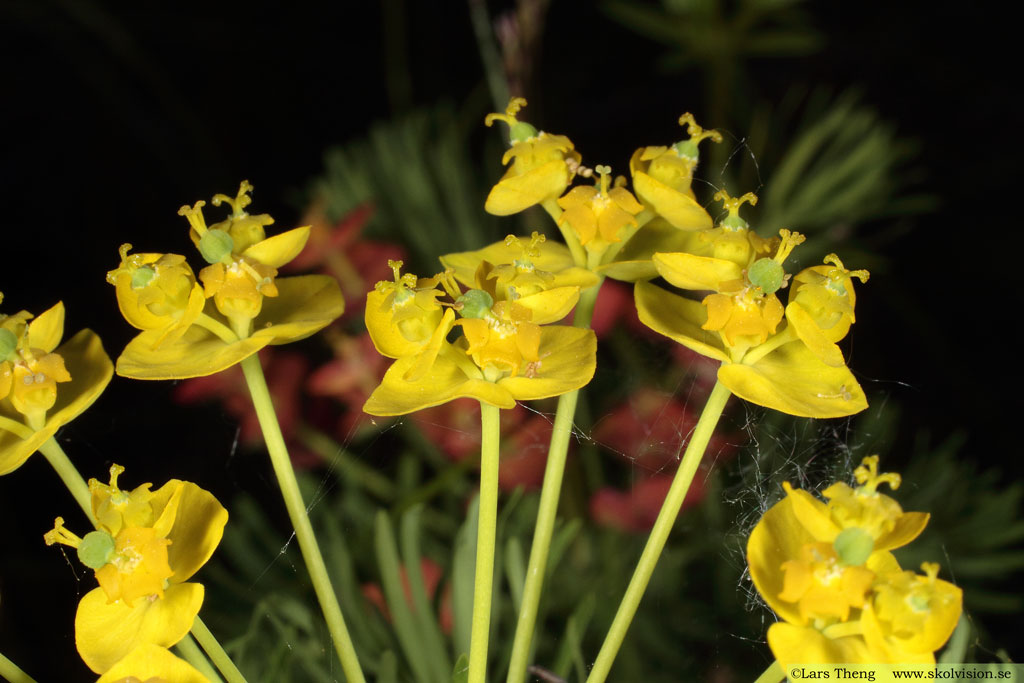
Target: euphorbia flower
x=508, y=351
x=741, y=324
x=149, y=663
x=519, y=268
x=251, y=306
x=542, y=165
x=662, y=178
x=43, y=386
x=598, y=214
x=146, y=546
x=826, y=570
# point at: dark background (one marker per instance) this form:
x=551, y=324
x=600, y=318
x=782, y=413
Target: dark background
x=115, y=114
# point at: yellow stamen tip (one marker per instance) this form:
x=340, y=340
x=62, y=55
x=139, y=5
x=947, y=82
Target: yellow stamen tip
x=733, y=204
x=239, y=202
x=695, y=131
x=868, y=477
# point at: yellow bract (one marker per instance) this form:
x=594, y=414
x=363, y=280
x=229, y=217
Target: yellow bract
x=598, y=214
x=42, y=385
x=152, y=664
x=251, y=307
x=826, y=570
x=160, y=539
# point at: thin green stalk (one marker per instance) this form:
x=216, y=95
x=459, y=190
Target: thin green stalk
x=558, y=448
x=215, y=652
x=9, y=671
x=188, y=649
x=659, y=534
x=300, y=520
x=773, y=674
x=485, y=532
x=69, y=474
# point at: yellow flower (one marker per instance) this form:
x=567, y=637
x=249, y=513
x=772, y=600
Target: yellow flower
x=827, y=572
x=508, y=352
x=146, y=547
x=662, y=177
x=157, y=292
x=542, y=165
x=821, y=306
x=251, y=306
x=519, y=267
x=43, y=386
x=149, y=663
x=911, y=616
x=598, y=214
x=739, y=324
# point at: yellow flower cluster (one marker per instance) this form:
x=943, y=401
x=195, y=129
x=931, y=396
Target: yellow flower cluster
x=191, y=329
x=782, y=357
x=826, y=570
x=508, y=350
x=43, y=383
x=146, y=546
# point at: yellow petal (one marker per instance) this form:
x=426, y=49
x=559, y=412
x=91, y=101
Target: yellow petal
x=280, y=249
x=46, y=329
x=568, y=357
x=908, y=526
x=777, y=538
x=428, y=352
x=152, y=661
x=679, y=319
x=812, y=335
x=804, y=645
x=446, y=380
x=814, y=515
x=679, y=209
x=106, y=632
x=792, y=380
x=514, y=193
x=90, y=369
x=687, y=271
x=551, y=305
x=304, y=305
x=386, y=333
x=196, y=353
x=198, y=528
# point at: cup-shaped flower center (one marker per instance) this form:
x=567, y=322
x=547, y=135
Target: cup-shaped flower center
x=504, y=343
x=823, y=587
x=138, y=567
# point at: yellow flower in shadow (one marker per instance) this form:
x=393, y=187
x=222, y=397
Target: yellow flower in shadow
x=251, y=306
x=149, y=663
x=42, y=385
x=826, y=571
x=147, y=546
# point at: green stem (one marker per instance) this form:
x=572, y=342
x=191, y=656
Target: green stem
x=193, y=655
x=300, y=520
x=579, y=254
x=659, y=533
x=223, y=332
x=773, y=674
x=215, y=652
x=69, y=474
x=9, y=671
x=485, y=531
x=558, y=448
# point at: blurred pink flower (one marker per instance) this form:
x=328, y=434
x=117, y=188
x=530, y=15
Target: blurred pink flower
x=636, y=510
